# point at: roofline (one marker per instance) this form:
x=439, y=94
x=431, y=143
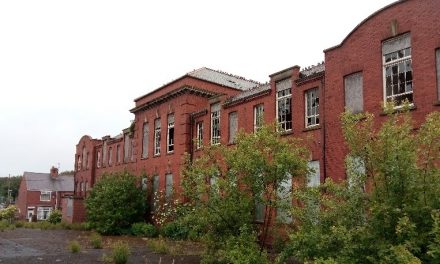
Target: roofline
x=278, y=72
x=182, y=90
x=182, y=77
x=363, y=22
x=246, y=98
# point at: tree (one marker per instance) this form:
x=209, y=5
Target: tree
x=228, y=183
x=115, y=203
x=388, y=209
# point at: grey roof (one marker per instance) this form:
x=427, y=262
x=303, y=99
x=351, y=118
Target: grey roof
x=312, y=70
x=43, y=181
x=248, y=94
x=223, y=78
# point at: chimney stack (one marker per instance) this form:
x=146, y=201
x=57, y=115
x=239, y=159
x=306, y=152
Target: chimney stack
x=54, y=172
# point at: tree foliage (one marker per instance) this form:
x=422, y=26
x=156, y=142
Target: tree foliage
x=388, y=209
x=13, y=183
x=227, y=182
x=115, y=203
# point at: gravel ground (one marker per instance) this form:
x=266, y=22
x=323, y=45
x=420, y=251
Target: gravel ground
x=51, y=246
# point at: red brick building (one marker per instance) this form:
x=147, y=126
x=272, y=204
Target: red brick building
x=394, y=54
x=40, y=193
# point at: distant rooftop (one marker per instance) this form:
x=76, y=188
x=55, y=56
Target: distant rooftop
x=312, y=70
x=43, y=181
x=223, y=78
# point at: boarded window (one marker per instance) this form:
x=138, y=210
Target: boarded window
x=110, y=156
x=233, y=126
x=285, y=198
x=437, y=55
x=104, y=153
x=127, y=147
x=155, y=191
x=69, y=209
x=145, y=140
x=313, y=178
x=169, y=186
x=98, y=164
x=118, y=154
x=84, y=158
x=354, y=98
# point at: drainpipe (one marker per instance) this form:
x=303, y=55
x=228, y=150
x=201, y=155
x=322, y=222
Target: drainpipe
x=324, y=138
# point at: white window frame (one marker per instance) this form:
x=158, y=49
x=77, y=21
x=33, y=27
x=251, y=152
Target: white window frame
x=145, y=136
x=170, y=134
x=157, y=137
x=215, y=125
x=284, y=96
x=311, y=111
x=399, y=57
x=45, y=196
x=41, y=212
x=199, y=135
x=258, y=116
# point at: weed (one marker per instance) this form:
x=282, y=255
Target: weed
x=96, y=240
x=120, y=252
x=74, y=246
x=158, y=245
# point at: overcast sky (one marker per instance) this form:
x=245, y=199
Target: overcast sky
x=70, y=68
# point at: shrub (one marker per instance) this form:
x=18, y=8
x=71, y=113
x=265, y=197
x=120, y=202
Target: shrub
x=74, y=246
x=175, y=230
x=19, y=224
x=96, y=240
x=144, y=229
x=158, y=245
x=120, y=252
x=114, y=203
x=8, y=213
x=55, y=217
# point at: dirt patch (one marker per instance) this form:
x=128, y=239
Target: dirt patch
x=51, y=246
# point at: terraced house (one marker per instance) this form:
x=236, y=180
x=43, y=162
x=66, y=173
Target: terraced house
x=393, y=55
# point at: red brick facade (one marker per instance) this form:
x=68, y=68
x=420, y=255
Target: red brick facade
x=190, y=100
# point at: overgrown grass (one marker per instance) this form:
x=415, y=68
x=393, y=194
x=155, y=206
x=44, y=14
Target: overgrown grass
x=45, y=225
x=158, y=245
x=74, y=246
x=5, y=225
x=96, y=240
x=120, y=252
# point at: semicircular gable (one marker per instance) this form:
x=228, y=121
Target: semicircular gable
x=372, y=16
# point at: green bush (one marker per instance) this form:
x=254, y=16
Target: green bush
x=55, y=217
x=144, y=229
x=175, y=230
x=74, y=246
x=115, y=203
x=120, y=252
x=96, y=240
